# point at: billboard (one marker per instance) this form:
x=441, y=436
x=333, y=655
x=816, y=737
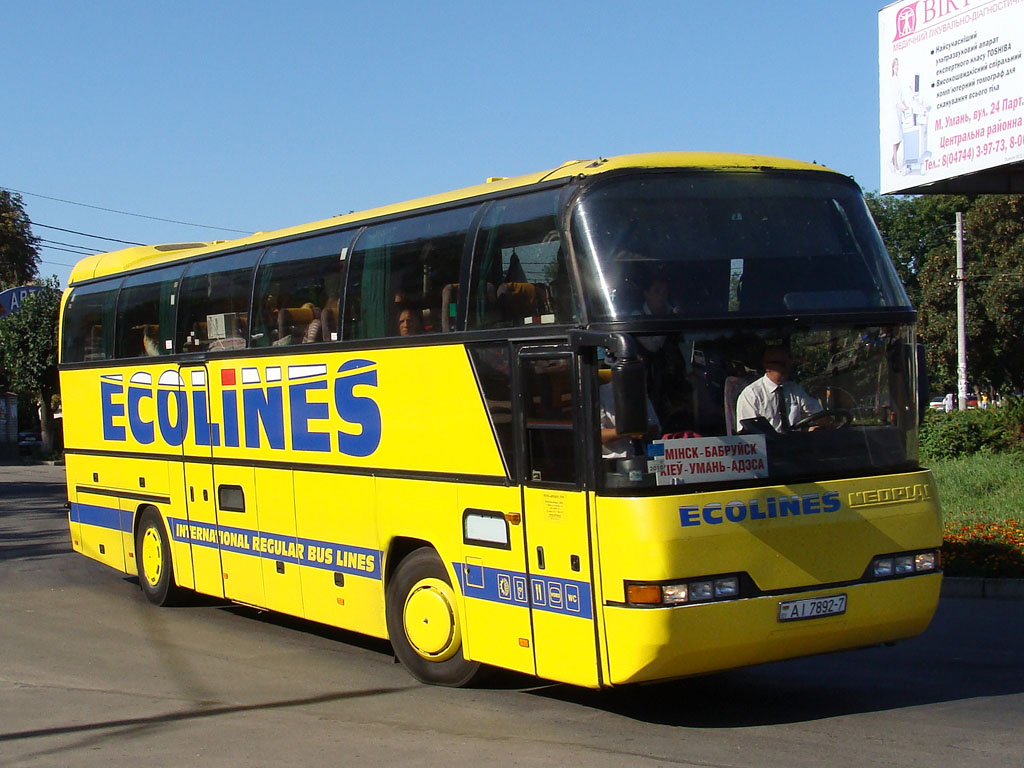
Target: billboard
x=951, y=95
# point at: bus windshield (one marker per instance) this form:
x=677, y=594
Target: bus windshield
x=731, y=244
x=847, y=407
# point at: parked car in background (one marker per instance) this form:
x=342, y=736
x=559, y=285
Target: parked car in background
x=29, y=443
x=936, y=403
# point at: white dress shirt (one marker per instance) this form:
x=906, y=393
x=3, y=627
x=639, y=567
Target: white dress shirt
x=760, y=399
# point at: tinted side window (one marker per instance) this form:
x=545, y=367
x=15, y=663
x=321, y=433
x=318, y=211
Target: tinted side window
x=405, y=275
x=548, y=408
x=520, y=274
x=493, y=368
x=89, y=323
x=298, y=292
x=213, y=311
x=145, y=314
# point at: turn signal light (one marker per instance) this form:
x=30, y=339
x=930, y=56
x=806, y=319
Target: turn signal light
x=643, y=594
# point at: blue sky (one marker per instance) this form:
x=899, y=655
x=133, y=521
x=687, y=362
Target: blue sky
x=259, y=115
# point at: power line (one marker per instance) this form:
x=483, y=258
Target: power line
x=85, y=234
x=58, y=263
x=127, y=213
x=68, y=250
x=85, y=249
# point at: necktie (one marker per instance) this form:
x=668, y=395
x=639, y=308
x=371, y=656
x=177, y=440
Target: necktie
x=780, y=399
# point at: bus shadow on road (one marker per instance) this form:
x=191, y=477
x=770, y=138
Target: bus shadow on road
x=958, y=660
x=747, y=699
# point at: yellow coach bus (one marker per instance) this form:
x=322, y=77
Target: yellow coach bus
x=630, y=419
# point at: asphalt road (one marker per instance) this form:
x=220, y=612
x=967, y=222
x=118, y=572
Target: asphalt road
x=92, y=675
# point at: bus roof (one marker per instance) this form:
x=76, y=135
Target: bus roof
x=139, y=257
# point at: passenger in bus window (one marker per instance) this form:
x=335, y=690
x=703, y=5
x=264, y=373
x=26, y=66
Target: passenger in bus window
x=774, y=397
x=410, y=321
x=314, y=329
x=292, y=323
x=656, y=303
x=151, y=340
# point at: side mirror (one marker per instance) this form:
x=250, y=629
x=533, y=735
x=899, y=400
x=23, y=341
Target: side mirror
x=629, y=388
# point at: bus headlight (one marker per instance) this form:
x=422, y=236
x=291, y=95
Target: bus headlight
x=906, y=564
x=926, y=561
x=727, y=587
x=704, y=590
x=883, y=567
x=675, y=594
x=701, y=591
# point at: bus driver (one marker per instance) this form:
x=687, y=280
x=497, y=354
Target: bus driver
x=781, y=401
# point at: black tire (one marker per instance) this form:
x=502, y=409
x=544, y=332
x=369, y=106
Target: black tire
x=153, y=555
x=423, y=622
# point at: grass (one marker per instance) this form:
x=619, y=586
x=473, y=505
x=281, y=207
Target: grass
x=982, y=499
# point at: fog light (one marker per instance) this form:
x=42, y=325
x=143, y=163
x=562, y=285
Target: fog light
x=883, y=567
x=904, y=564
x=674, y=594
x=727, y=587
x=925, y=561
x=702, y=590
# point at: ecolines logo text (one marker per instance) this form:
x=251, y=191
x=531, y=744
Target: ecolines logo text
x=252, y=407
x=760, y=509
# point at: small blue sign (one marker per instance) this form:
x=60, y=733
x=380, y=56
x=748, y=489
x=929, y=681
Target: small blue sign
x=10, y=300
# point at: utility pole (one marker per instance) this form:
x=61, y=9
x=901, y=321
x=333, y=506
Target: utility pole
x=961, y=315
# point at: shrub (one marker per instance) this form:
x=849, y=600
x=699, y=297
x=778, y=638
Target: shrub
x=963, y=433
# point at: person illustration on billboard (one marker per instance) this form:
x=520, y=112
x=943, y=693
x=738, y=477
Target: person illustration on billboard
x=900, y=105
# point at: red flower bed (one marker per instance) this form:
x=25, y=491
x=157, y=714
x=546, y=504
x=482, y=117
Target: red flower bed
x=988, y=549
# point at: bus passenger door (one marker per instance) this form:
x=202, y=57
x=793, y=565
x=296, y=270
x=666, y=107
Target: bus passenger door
x=556, y=516
x=200, y=528
x=233, y=492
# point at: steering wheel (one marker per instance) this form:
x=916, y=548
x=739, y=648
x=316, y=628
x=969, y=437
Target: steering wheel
x=841, y=416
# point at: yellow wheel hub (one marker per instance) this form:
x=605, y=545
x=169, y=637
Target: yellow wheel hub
x=431, y=620
x=152, y=556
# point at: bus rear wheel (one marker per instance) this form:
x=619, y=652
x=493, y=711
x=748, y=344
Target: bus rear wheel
x=153, y=554
x=423, y=622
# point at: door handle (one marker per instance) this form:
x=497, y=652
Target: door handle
x=540, y=558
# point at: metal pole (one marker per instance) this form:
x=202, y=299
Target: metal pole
x=961, y=315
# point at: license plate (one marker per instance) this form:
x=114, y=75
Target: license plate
x=812, y=607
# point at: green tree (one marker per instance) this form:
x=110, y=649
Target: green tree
x=28, y=352
x=995, y=283
x=919, y=233
x=912, y=227
x=19, y=252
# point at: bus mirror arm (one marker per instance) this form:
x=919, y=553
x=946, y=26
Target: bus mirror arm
x=629, y=377
x=619, y=345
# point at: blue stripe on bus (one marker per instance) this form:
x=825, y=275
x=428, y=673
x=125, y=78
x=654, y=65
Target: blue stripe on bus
x=101, y=517
x=544, y=593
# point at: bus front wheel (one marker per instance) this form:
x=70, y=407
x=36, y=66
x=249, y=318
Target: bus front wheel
x=153, y=554
x=423, y=622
